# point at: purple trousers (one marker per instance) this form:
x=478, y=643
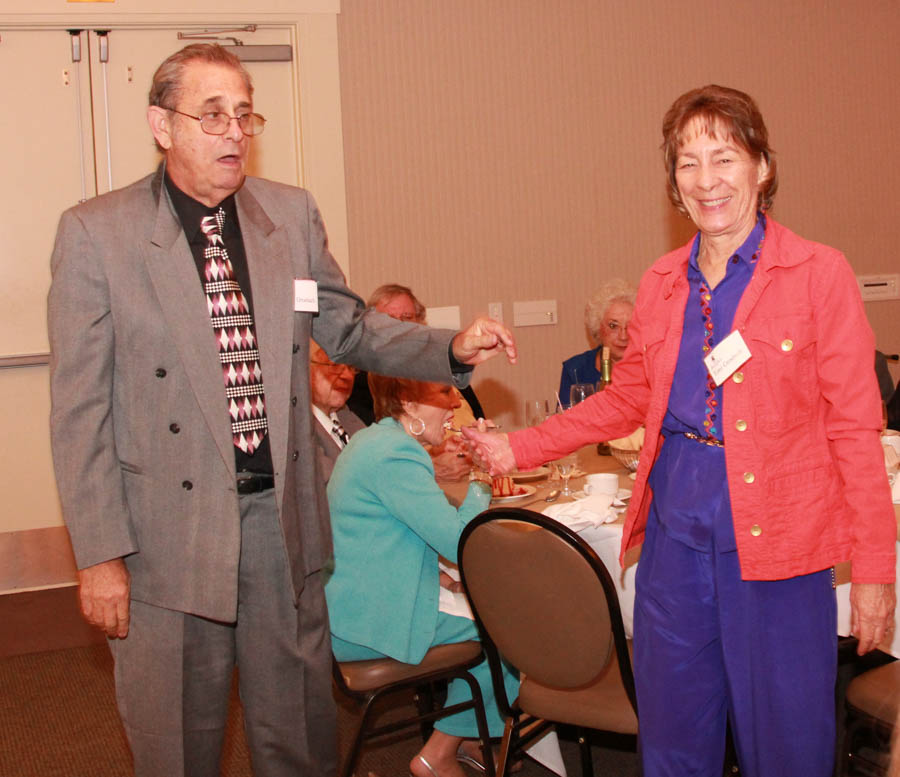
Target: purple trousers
x=709, y=645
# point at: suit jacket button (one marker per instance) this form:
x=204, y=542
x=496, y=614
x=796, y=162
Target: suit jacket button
x=787, y=344
x=738, y=377
x=160, y=372
x=740, y=425
x=187, y=485
x=749, y=477
x=293, y=401
x=755, y=530
x=295, y=455
x=174, y=428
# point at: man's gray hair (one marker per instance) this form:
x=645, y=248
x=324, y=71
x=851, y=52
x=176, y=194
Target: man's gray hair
x=165, y=91
x=388, y=291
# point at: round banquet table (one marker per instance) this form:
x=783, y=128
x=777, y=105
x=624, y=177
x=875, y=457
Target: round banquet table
x=606, y=540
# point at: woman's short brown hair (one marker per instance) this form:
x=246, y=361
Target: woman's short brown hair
x=389, y=394
x=719, y=109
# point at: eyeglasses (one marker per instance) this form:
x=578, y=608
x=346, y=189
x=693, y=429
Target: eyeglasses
x=335, y=368
x=217, y=123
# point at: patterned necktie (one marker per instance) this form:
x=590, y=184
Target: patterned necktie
x=338, y=431
x=238, y=351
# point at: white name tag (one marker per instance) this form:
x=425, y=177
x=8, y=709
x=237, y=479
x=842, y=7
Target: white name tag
x=726, y=357
x=306, y=295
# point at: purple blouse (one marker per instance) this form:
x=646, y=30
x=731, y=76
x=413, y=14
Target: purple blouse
x=690, y=489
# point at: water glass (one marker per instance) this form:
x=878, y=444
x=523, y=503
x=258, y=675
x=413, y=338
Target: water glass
x=536, y=411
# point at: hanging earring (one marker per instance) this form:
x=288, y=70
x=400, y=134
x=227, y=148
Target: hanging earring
x=421, y=428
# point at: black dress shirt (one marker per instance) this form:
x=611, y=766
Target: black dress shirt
x=191, y=213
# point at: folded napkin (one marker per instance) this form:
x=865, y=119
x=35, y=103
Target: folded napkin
x=633, y=442
x=593, y=510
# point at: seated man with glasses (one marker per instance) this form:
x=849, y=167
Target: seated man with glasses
x=451, y=460
x=330, y=385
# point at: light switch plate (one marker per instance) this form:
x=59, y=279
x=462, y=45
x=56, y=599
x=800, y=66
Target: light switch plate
x=534, y=312
x=877, y=287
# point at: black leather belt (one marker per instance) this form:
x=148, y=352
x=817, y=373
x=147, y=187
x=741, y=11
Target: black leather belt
x=254, y=482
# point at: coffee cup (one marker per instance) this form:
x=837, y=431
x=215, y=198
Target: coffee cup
x=601, y=483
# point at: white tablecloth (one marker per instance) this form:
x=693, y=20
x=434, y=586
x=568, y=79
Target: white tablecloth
x=607, y=539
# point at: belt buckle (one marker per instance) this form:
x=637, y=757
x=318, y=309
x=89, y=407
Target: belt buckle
x=254, y=482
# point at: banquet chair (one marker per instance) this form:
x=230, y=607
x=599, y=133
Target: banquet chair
x=545, y=603
x=872, y=704
x=366, y=682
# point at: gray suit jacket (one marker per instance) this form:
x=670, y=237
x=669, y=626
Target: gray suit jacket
x=139, y=424
x=326, y=448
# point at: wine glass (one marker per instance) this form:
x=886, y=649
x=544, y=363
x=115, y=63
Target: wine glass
x=566, y=466
x=580, y=392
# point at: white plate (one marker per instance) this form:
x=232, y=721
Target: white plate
x=623, y=494
x=528, y=491
x=530, y=474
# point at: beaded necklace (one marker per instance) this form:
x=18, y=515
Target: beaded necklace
x=712, y=404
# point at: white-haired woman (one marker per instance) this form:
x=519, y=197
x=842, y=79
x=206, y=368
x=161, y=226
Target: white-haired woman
x=606, y=317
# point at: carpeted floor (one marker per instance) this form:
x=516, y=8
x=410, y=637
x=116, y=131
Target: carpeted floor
x=58, y=719
x=58, y=716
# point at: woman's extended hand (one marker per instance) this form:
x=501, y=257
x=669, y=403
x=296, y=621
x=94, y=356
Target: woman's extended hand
x=490, y=450
x=871, y=613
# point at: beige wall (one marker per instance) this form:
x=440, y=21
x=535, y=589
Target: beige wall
x=508, y=150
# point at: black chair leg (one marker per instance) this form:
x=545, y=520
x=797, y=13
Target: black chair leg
x=584, y=749
x=425, y=703
x=484, y=735
x=358, y=736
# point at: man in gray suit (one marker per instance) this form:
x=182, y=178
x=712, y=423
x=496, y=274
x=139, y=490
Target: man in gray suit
x=180, y=316
x=330, y=385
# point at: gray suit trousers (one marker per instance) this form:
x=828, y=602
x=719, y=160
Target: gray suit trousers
x=173, y=671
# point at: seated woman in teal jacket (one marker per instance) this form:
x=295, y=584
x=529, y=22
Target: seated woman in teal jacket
x=391, y=521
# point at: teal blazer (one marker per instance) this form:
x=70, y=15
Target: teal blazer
x=390, y=521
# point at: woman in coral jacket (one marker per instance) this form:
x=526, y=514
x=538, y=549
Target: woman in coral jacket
x=761, y=467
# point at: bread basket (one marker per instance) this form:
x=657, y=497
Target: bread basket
x=628, y=459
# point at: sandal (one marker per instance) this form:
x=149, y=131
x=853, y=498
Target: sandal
x=464, y=758
x=429, y=766
x=475, y=763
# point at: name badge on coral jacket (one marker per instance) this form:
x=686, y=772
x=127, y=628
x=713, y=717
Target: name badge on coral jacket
x=726, y=357
x=306, y=296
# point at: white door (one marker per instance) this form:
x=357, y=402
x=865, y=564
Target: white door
x=73, y=129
